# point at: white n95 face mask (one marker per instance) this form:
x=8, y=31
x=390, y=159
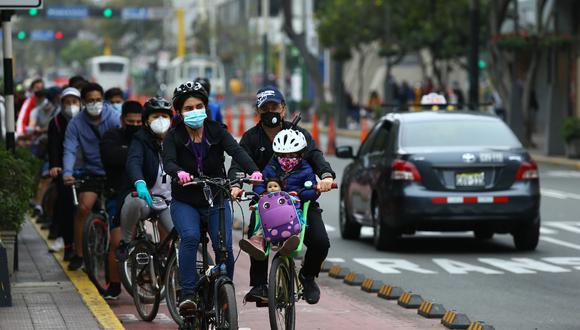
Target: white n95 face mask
x=95, y=108
x=160, y=125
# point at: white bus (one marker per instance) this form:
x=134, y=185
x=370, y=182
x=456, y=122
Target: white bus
x=181, y=70
x=109, y=72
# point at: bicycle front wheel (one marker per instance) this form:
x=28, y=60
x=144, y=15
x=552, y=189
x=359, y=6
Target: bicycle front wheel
x=96, y=250
x=144, y=280
x=281, y=308
x=226, y=307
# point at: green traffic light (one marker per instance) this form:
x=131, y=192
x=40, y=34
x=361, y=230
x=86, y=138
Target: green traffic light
x=21, y=35
x=33, y=12
x=482, y=64
x=107, y=12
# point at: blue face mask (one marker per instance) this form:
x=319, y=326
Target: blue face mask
x=194, y=118
x=118, y=107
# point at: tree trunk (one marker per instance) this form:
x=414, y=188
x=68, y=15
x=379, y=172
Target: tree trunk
x=361, y=64
x=527, y=92
x=310, y=60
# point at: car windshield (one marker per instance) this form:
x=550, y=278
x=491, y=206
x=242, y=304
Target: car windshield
x=458, y=133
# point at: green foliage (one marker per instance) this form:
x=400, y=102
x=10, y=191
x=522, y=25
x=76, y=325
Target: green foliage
x=17, y=186
x=79, y=50
x=571, y=129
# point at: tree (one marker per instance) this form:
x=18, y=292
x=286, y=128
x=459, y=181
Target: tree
x=79, y=50
x=310, y=60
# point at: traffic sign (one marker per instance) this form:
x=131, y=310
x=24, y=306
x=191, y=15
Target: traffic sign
x=20, y=4
x=42, y=35
x=68, y=12
x=136, y=13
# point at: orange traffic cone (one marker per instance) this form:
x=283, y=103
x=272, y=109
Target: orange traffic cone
x=331, y=149
x=242, y=122
x=229, y=119
x=364, y=129
x=315, y=129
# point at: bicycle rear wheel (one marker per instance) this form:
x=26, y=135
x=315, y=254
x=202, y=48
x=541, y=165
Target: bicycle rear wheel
x=125, y=273
x=144, y=273
x=96, y=250
x=172, y=287
x=281, y=302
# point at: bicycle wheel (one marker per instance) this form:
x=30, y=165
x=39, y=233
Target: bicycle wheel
x=172, y=287
x=226, y=307
x=144, y=274
x=125, y=273
x=281, y=300
x=96, y=250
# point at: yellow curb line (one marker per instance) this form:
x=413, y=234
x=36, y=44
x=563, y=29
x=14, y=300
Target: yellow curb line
x=89, y=293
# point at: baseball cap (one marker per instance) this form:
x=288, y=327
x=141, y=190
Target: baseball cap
x=70, y=91
x=269, y=94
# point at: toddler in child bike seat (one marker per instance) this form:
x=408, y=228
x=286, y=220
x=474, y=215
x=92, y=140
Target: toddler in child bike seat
x=284, y=192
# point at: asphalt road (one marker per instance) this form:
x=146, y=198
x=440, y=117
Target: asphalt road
x=488, y=280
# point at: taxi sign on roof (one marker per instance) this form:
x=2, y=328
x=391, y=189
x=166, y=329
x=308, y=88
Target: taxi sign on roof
x=433, y=98
x=20, y=4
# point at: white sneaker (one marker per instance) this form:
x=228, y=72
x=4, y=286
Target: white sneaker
x=57, y=245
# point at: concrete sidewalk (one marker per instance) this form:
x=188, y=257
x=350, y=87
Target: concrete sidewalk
x=43, y=297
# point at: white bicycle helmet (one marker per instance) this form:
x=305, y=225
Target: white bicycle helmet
x=288, y=141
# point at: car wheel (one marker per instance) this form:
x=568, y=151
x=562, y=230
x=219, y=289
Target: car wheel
x=384, y=237
x=483, y=235
x=348, y=228
x=526, y=237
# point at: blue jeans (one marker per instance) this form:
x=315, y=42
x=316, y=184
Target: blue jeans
x=187, y=221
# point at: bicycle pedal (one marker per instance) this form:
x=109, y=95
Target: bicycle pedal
x=142, y=258
x=261, y=304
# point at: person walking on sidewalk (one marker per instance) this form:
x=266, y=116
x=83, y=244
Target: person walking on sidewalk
x=257, y=141
x=84, y=134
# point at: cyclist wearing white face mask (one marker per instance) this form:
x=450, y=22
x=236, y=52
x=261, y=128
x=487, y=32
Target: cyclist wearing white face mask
x=145, y=171
x=84, y=133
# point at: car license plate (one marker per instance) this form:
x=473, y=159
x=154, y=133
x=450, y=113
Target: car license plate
x=470, y=179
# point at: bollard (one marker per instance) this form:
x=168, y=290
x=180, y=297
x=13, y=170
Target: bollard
x=5, y=296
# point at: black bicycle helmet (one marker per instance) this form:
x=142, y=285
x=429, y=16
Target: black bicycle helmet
x=204, y=83
x=186, y=90
x=156, y=104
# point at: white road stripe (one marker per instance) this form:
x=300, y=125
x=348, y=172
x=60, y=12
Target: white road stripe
x=559, y=194
x=335, y=259
x=559, y=242
x=329, y=228
x=547, y=231
x=567, y=226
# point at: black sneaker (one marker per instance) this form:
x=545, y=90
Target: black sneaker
x=76, y=262
x=259, y=293
x=188, y=305
x=122, y=251
x=113, y=291
x=311, y=289
x=69, y=253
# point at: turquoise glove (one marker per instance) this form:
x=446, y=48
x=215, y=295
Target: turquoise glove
x=143, y=192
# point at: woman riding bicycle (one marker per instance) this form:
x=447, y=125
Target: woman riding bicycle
x=145, y=171
x=194, y=148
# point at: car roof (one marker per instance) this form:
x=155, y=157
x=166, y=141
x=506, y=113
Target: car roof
x=442, y=115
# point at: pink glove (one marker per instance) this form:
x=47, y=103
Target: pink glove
x=184, y=177
x=256, y=176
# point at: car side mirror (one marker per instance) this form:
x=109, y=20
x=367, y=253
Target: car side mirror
x=344, y=152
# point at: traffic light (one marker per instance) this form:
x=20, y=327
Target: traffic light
x=58, y=35
x=107, y=12
x=21, y=35
x=33, y=12
x=482, y=64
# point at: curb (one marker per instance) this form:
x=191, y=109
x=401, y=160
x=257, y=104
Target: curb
x=561, y=161
x=100, y=309
x=406, y=299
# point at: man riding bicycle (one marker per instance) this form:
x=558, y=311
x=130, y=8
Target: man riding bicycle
x=257, y=141
x=84, y=134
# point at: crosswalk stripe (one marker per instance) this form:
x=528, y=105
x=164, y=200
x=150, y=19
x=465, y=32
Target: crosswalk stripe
x=567, y=226
x=559, y=242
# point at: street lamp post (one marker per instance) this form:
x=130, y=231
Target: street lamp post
x=474, y=54
x=265, y=13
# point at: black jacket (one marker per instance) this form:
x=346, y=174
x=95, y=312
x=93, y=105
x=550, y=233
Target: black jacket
x=114, y=147
x=178, y=156
x=144, y=158
x=259, y=147
x=56, y=132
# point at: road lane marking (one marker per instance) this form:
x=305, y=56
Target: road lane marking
x=329, y=228
x=559, y=242
x=565, y=261
x=567, y=226
x=559, y=194
x=523, y=265
x=563, y=174
x=335, y=259
x=392, y=266
x=458, y=267
x=547, y=231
